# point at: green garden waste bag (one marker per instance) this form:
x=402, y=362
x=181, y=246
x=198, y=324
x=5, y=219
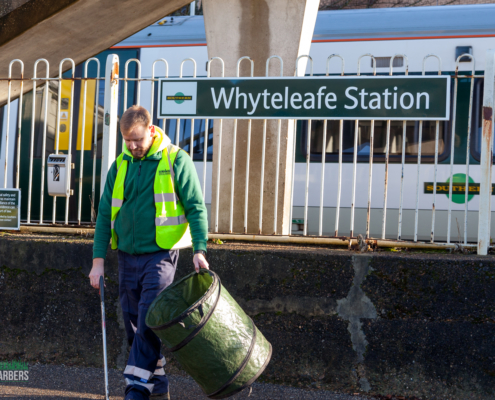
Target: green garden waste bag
x=214, y=340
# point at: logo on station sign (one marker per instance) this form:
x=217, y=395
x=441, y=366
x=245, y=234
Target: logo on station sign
x=178, y=98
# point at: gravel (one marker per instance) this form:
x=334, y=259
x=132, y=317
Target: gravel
x=60, y=382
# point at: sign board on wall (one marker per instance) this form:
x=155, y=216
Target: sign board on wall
x=328, y=97
x=10, y=209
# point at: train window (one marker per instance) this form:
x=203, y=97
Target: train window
x=477, y=120
x=64, y=104
x=379, y=141
x=185, y=136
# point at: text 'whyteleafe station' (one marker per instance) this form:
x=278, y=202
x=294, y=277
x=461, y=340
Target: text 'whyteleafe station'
x=385, y=98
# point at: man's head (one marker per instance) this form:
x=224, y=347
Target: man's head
x=137, y=130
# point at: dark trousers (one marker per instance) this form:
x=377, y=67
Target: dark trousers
x=141, y=279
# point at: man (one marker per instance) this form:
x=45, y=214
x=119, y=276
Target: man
x=152, y=205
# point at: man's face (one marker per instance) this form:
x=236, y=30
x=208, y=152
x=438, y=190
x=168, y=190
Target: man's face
x=139, y=140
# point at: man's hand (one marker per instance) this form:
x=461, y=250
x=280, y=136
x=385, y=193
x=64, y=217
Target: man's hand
x=96, y=272
x=199, y=261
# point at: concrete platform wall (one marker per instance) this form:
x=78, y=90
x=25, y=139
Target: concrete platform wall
x=387, y=323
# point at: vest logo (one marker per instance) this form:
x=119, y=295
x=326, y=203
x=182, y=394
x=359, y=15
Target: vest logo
x=183, y=102
x=179, y=98
x=164, y=172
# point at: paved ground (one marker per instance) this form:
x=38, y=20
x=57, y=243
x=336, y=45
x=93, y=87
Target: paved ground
x=60, y=383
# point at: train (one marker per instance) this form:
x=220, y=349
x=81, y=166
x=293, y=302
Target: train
x=450, y=40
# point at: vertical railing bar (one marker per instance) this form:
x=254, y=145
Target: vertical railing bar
x=324, y=147
x=7, y=131
x=452, y=149
x=205, y=151
x=416, y=212
x=219, y=157
x=232, y=182
x=308, y=151
x=293, y=176
x=72, y=101
x=95, y=140
x=8, y=120
x=322, y=182
x=437, y=136
x=19, y=125
x=262, y=176
x=277, y=168
x=354, y=171
x=368, y=213
x=153, y=80
x=57, y=136
x=138, y=87
x=403, y=160
x=468, y=145
x=191, y=141
x=372, y=135
x=43, y=150
x=246, y=191
x=177, y=127
x=277, y=171
x=83, y=135
x=234, y=146
x=248, y=150
x=339, y=183
x=356, y=134
x=263, y=149
x=33, y=124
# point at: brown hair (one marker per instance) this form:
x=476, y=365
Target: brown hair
x=135, y=115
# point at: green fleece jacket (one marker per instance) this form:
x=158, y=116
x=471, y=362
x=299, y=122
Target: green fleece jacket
x=135, y=223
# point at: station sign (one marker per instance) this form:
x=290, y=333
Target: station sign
x=10, y=209
x=324, y=97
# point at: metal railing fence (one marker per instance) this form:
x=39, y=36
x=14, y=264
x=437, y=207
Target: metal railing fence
x=312, y=190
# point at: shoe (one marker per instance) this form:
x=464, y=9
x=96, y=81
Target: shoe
x=160, y=396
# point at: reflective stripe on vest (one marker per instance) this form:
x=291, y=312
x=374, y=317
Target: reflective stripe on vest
x=172, y=228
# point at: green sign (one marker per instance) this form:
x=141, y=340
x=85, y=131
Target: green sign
x=10, y=209
x=458, y=188
x=327, y=97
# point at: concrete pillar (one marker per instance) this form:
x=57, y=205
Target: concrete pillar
x=258, y=29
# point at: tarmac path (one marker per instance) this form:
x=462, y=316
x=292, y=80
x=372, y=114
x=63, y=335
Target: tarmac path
x=59, y=382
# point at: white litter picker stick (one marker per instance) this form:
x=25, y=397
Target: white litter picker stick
x=104, y=332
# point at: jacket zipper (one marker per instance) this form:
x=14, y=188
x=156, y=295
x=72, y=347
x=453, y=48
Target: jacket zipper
x=134, y=211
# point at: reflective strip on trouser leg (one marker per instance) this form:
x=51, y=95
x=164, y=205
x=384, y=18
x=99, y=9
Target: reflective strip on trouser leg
x=159, y=367
x=132, y=382
x=137, y=372
x=161, y=362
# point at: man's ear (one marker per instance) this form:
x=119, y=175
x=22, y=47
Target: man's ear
x=152, y=130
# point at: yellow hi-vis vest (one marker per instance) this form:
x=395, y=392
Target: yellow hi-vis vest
x=172, y=228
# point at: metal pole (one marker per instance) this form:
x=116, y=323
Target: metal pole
x=8, y=119
x=19, y=125
x=110, y=117
x=437, y=134
x=219, y=149
x=486, y=161
x=33, y=124
x=308, y=152
x=104, y=333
